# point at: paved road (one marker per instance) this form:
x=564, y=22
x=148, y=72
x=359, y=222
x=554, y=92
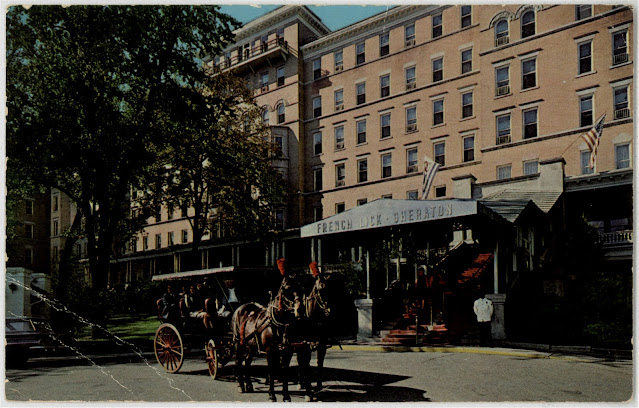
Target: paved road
x=352, y=374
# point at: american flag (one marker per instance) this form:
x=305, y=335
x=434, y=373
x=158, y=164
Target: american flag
x=430, y=168
x=592, y=137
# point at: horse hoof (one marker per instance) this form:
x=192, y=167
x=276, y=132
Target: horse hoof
x=272, y=398
x=241, y=389
x=286, y=399
x=249, y=388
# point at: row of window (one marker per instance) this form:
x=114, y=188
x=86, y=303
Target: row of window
x=384, y=42
x=158, y=240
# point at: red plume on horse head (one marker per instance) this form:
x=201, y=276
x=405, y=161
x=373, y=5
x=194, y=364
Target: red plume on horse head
x=281, y=265
x=314, y=269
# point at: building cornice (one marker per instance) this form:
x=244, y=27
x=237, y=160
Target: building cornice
x=394, y=16
x=277, y=16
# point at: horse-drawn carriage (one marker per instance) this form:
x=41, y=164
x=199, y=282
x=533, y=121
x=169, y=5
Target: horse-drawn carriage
x=183, y=329
x=296, y=320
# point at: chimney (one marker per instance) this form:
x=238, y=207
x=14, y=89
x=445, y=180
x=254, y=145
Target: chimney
x=463, y=186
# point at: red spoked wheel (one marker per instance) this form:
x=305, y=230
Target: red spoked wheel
x=169, y=349
x=212, y=358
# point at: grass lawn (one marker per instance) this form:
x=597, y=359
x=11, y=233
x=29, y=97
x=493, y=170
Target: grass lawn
x=131, y=328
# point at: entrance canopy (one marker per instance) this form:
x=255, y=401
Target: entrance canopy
x=387, y=213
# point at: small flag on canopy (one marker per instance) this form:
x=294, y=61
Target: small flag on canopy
x=592, y=137
x=430, y=168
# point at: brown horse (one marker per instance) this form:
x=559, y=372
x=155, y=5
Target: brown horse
x=258, y=329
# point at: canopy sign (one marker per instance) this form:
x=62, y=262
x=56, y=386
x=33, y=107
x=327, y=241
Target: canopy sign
x=387, y=213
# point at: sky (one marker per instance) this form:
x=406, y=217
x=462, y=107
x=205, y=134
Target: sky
x=334, y=16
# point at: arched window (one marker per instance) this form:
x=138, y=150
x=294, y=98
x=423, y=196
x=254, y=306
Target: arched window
x=281, y=116
x=528, y=24
x=265, y=116
x=501, y=32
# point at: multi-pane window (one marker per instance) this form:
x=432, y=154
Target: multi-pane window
x=439, y=153
x=384, y=44
x=411, y=119
x=158, y=241
x=411, y=83
x=339, y=137
x=361, y=201
x=56, y=228
x=584, y=157
x=467, y=105
x=583, y=11
x=531, y=167
x=340, y=175
x=503, y=129
x=438, y=69
x=170, y=238
x=338, y=57
x=409, y=35
x=340, y=208
x=362, y=170
x=504, y=172
x=281, y=113
x=620, y=47
x=438, y=112
x=622, y=156
x=529, y=73
x=466, y=16
x=411, y=195
x=339, y=99
x=411, y=160
x=501, y=32
x=361, y=93
x=28, y=207
x=622, y=110
x=28, y=230
x=530, y=123
x=145, y=243
x=387, y=165
x=469, y=148
x=440, y=191
x=528, y=24
x=317, y=143
x=385, y=123
x=360, y=53
x=586, y=110
x=317, y=68
x=265, y=116
x=185, y=236
x=502, y=80
x=466, y=61
x=361, y=131
x=280, y=76
x=318, y=214
x=317, y=107
x=317, y=179
x=56, y=201
x=384, y=85
x=585, y=57
x=264, y=81
x=437, y=26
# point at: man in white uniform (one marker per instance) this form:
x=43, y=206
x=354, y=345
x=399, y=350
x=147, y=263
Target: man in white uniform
x=484, y=310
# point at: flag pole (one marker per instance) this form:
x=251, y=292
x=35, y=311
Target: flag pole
x=580, y=134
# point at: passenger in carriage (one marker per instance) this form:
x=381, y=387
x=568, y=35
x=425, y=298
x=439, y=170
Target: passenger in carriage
x=170, y=311
x=230, y=300
x=194, y=301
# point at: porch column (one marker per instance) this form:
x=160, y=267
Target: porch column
x=319, y=251
x=496, y=268
x=313, y=257
x=368, y=275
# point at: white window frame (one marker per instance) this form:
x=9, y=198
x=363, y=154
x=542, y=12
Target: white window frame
x=442, y=154
x=316, y=151
x=339, y=137
x=411, y=123
x=580, y=58
x=629, y=160
x=338, y=62
x=503, y=176
x=523, y=74
x=470, y=61
x=382, y=126
x=523, y=122
x=469, y=15
x=358, y=132
x=381, y=85
x=340, y=174
x=464, y=104
x=412, y=166
x=526, y=167
x=436, y=112
x=411, y=82
x=361, y=179
x=466, y=149
x=502, y=88
x=388, y=156
x=384, y=44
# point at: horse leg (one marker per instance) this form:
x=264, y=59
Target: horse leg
x=247, y=374
x=239, y=365
x=287, y=355
x=304, y=362
x=321, y=354
x=272, y=361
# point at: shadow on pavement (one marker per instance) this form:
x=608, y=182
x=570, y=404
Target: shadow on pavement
x=370, y=393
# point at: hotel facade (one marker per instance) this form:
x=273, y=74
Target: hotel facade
x=497, y=95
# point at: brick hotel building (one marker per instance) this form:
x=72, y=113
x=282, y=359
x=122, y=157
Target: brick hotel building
x=498, y=95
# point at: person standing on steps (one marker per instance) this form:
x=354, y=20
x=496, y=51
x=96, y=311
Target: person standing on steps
x=483, y=308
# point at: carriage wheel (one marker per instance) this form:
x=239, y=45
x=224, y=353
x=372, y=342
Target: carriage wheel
x=212, y=358
x=168, y=346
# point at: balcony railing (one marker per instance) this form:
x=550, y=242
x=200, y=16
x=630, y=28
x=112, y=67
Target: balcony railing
x=617, y=237
x=262, y=48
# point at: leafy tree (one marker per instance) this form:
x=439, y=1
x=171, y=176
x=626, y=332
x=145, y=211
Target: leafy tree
x=88, y=88
x=218, y=161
